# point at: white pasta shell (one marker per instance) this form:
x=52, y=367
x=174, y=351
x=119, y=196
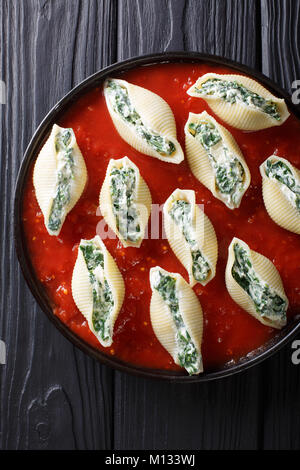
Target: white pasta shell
x=278, y=206
x=142, y=197
x=237, y=114
x=45, y=174
x=162, y=321
x=82, y=290
x=205, y=235
x=267, y=272
x=199, y=161
x=155, y=113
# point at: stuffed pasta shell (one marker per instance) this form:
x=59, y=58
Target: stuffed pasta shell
x=143, y=119
x=59, y=177
x=125, y=201
x=176, y=318
x=97, y=288
x=191, y=236
x=281, y=192
x=240, y=101
x=215, y=159
x=255, y=284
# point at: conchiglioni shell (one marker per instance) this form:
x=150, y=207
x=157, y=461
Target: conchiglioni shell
x=82, y=289
x=199, y=161
x=205, y=235
x=142, y=197
x=237, y=114
x=156, y=114
x=278, y=206
x=45, y=174
x=266, y=271
x=190, y=310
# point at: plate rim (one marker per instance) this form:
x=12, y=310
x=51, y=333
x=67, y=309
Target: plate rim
x=35, y=286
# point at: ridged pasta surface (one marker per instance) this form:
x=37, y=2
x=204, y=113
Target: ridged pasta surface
x=163, y=323
x=202, y=234
x=238, y=114
x=156, y=115
x=46, y=177
x=267, y=272
x=200, y=162
x=280, y=208
x=82, y=290
x=141, y=198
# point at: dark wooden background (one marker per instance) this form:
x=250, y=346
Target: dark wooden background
x=52, y=396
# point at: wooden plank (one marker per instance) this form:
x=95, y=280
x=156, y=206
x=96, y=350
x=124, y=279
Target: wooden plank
x=280, y=22
x=52, y=395
x=281, y=402
x=226, y=28
x=229, y=29
x=281, y=62
x=219, y=415
x=146, y=26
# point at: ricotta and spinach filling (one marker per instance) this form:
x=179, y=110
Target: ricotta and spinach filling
x=188, y=355
x=122, y=105
x=234, y=92
x=123, y=183
x=279, y=171
x=228, y=170
x=103, y=301
x=267, y=302
x=64, y=178
x=181, y=213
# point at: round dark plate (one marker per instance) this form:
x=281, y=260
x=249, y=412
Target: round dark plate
x=255, y=357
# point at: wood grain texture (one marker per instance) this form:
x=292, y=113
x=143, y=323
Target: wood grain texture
x=52, y=395
x=281, y=62
x=143, y=26
x=220, y=415
x=228, y=29
x=280, y=26
x=216, y=27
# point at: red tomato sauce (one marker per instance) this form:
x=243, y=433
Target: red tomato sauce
x=229, y=332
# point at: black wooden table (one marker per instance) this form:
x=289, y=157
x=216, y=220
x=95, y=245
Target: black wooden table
x=52, y=396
